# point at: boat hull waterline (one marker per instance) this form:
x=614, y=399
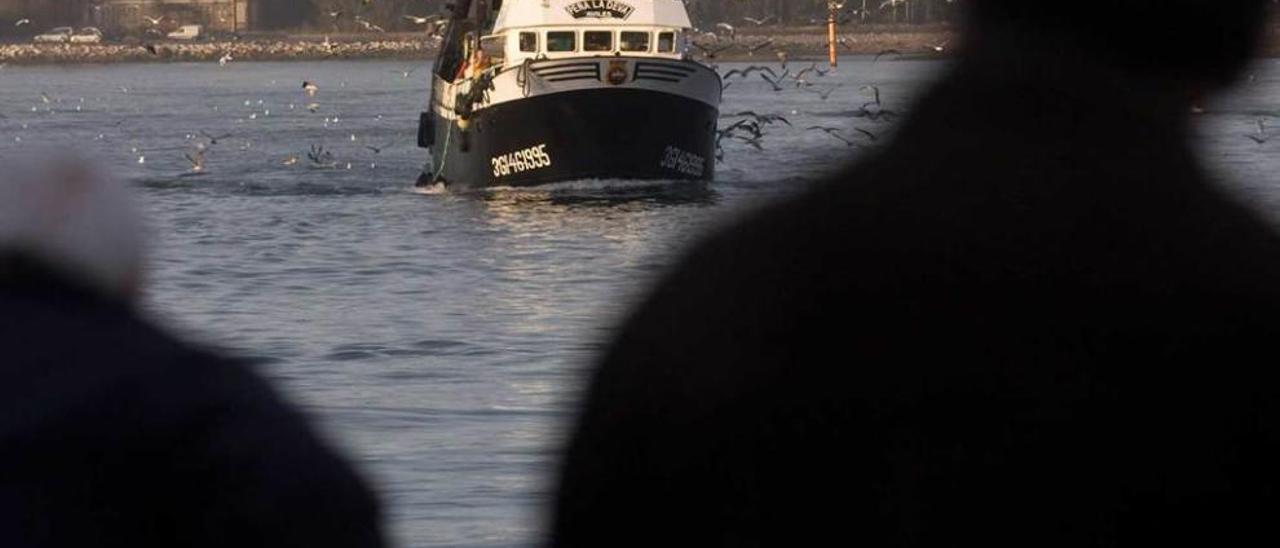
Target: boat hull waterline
x=583, y=134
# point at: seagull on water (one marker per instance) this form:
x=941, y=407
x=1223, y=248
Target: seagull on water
x=1261, y=135
x=310, y=88
x=197, y=161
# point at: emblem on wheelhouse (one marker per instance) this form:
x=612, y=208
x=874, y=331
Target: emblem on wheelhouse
x=528, y=92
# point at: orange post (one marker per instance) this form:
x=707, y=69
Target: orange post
x=831, y=34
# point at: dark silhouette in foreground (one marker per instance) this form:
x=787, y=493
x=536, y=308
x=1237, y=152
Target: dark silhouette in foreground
x=113, y=433
x=1031, y=319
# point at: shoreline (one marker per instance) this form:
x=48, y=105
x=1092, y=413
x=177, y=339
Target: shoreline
x=799, y=43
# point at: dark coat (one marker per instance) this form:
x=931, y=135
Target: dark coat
x=1031, y=319
x=114, y=434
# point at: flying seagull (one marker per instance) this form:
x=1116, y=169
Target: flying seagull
x=824, y=94
x=832, y=132
x=746, y=72
x=775, y=83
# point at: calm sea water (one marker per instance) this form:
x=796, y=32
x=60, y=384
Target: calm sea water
x=440, y=339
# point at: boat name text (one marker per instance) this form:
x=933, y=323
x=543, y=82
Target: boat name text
x=520, y=161
x=600, y=9
x=684, y=162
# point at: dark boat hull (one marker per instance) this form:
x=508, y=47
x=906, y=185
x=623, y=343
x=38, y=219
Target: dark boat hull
x=581, y=134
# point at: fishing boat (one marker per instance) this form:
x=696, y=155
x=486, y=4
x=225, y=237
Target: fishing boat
x=528, y=92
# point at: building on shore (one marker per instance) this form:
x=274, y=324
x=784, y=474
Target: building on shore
x=132, y=16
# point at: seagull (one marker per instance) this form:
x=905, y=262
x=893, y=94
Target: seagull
x=758, y=22
x=764, y=119
x=746, y=72
x=938, y=48
x=824, y=94
x=753, y=141
x=1261, y=135
x=420, y=20
x=379, y=149
x=749, y=126
x=321, y=157
x=404, y=74
x=728, y=28
x=869, y=135
x=226, y=58
x=710, y=53
x=197, y=161
x=310, y=88
x=22, y=22
x=154, y=21
x=874, y=90
x=832, y=132
x=313, y=107
x=290, y=161
x=775, y=83
x=886, y=52
x=213, y=140
x=369, y=26
x=812, y=68
x=751, y=50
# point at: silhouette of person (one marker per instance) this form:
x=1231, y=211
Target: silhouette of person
x=1032, y=318
x=113, y=433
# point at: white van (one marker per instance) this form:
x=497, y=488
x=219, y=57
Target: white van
x=185, y=32
x=57, y=35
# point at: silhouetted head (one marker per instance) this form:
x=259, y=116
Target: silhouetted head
x=1203, y=42
x=63, y=213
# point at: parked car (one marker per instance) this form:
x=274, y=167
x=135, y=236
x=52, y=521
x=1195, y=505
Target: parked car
x=87, y=35
x=185, y=32
x=57, y=35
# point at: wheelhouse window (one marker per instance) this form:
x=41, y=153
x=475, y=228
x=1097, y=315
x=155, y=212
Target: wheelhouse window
x=562, y=41
x=634, y=41
x=597, y=40
x=529, y=42
x=666, y=42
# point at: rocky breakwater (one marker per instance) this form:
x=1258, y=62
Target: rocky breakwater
x=222, y=50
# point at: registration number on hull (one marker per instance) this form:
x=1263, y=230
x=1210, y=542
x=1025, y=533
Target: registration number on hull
x=683, y=161
x=520, y=161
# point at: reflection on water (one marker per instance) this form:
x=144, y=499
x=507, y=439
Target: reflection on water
x=596, y=193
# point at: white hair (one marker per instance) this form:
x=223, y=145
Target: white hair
x=59, y=209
